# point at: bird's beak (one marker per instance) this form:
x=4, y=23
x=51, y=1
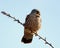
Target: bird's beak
x=37, y=15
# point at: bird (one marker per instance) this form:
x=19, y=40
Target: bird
x=31, y=26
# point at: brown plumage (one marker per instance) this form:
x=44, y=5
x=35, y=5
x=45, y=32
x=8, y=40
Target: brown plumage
x=31, y=26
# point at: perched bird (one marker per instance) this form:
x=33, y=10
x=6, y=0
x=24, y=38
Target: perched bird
x=31, y=26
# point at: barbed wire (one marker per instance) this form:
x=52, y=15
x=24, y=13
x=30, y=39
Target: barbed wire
x=11, y=17
x=44, y=39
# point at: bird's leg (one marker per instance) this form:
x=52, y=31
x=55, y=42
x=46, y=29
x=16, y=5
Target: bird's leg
x=36, y=34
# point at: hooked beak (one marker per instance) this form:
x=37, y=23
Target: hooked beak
x=37, y=15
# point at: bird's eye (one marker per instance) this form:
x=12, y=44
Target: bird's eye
x=37, y=12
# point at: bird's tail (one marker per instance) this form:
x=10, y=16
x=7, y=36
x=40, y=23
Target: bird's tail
x=27, y=38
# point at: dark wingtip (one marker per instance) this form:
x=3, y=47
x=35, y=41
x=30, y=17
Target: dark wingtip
x=24, y=40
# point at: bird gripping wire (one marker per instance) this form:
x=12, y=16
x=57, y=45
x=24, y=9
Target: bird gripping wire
x=23, y=25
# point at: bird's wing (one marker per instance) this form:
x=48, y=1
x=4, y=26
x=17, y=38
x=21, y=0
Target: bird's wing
x=27, y=21
x=27, y=18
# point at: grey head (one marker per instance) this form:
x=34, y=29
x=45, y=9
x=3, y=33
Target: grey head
x=35, y=11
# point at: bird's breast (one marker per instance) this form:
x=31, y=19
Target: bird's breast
x=33, y=23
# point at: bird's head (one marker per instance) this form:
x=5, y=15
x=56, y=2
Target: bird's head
x=36, y=12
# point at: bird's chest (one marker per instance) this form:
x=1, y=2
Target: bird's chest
x=35, y=23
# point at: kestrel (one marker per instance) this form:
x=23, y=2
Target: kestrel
x=32, y=25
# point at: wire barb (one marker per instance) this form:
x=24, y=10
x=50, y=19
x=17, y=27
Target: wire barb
x=46, y=42
x=11, y=17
